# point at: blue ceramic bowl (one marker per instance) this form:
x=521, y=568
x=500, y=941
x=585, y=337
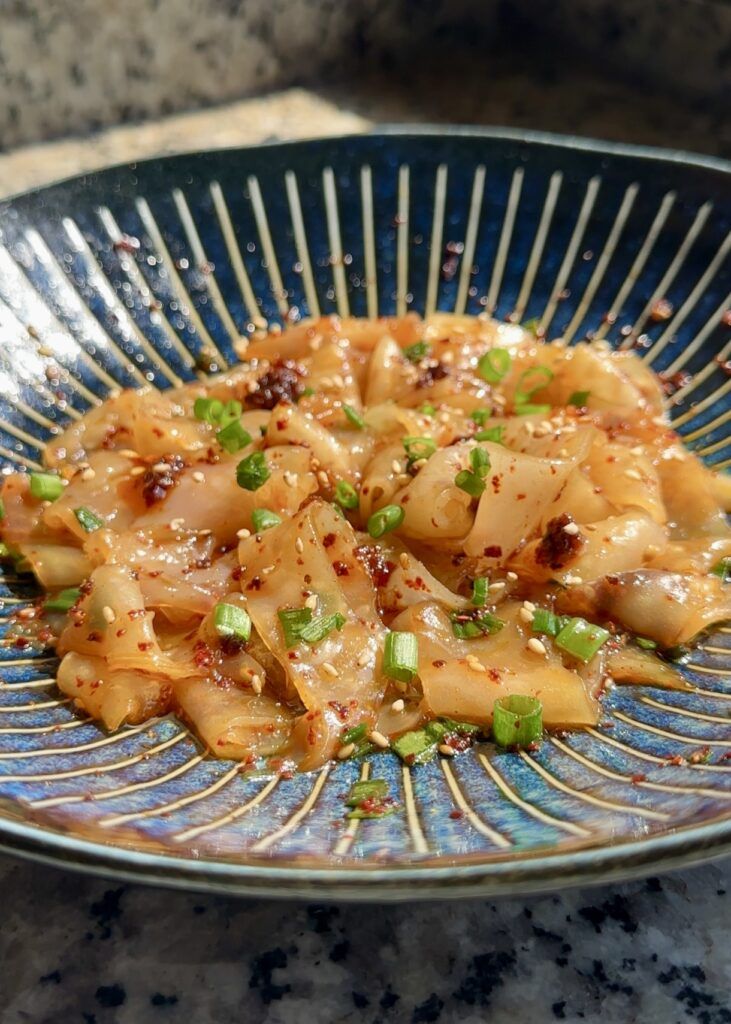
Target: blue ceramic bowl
x=585, y=236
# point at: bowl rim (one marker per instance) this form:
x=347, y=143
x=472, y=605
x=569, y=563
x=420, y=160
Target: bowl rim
x=683, y=845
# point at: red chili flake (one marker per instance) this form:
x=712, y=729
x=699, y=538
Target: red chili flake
x=638, y=777
x=121, y=632
x=144, y=645
x=433, y=372
x=136, y=613
x=281, y=383
x=202, y=655
x=456, y=815
x=341, y=568
x=127, y=243
x=557, y=547
x=439, y=663
x=94, y=637
x=328, y=540
x=343, y=711
x=496, y=483
x=493, y=551
x=156, y=483
x=494, y=674
x=416, y=584
x=255, y=584
x=378, y=568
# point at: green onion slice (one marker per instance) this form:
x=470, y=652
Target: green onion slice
x=293, y=621
x=317, y=629
x=469, y=482
x=385, y=520
x=480, y=462
x=534, y=379
x=416, y=352
x=355, y=417
x=63, y=600
x=581, y=639
x=579, y=399
x=307, y=392
x=467, y=625
x=494, y=365
x=233, y=437
x=230, y=620
x=481, y=416
x=355, y=734
x=419, y=448
x=479, y=591
x=46, y=486
x=645, y=644
x=427, y=409
x=366, y=789
x=346, y=495
x=264, y=519
x=2, y=509
x=87, y=520
x=545, y=621
x=231, y=412
x=517, y=721
x=528, y=409
x=209, y=410
x=415, y=747
x=723, y=569
x=401, y=656
x=494, y=434
x=531, y=326
x=252, y=472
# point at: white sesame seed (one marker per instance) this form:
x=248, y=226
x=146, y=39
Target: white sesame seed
x=364, y=658
x=570, y=580
x=396, y=466
x=268, y=569
x=404, y=560
x=161, y=467
x=398, y=705
x=529, y=606
x=590, y=527
x=571, y=528
x=525, y=615
x=563, y=453
x=198, y=477
x=137, y=470
x=497, y=585
x=633, y=474
x=402, y=479
x=26, y=613
x=446, y=750
x=290, y=478
x=547, y=426
x=241, y=534
x=257, y=684
x=475, y=664
x=444, y=417
x=323, y=478
x=419, y=464
x=637, y=450
x=537, y=646
x=512, y=576
x=345, y=752
x=659, y=421
x=379, y=739
x=330, y=669
x=338, y=381
x=177, y=524
x=128, y=453
x=529, y=427
x=88, y=474
x=311, y=602
x=299, y=545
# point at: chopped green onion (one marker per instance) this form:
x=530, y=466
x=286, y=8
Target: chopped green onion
x=252, y=472
x=579, y=398
x=517, y=721
x=46, y=486
x=385, y=519
x=369, y=811
x=416, y=352
x=63, y=600
x=346, y=495
x=427, y=409
x=419, y=448
x=415, y=747
x=481, y=416
x=494, y=434
x=723, y=569
x=293, y=621
x=470, y=482
x=581, y=639
x=547, y=622
x=230, y=620
x=5, y=551
x=542, y=376
x=87, y=520
x=527, y=409
x=480, y=461
x=401, y=656
x=317, y=629
x=494, y=365
x=264, y=519
x=645, y=644
x=233, y=437
x=531, y=325
x=479, y=591
x=460, y=728
x=209, y=410
x=354, y=416
x=307, y=392
x=2, y=509
x=366, y=789
x=354, y=734
x=467, y=625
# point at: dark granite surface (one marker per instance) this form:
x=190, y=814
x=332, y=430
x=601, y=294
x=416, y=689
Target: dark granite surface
x=77, y=949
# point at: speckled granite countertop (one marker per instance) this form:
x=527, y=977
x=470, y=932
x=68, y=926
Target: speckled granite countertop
x=77, y=949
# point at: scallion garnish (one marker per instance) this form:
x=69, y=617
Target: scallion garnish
x=494, y=365
x=87, y=520
x=63, y=600
x=517, y=721
x=427, y=409
x=547, y=622
x=293, y=621
x=209, y=410
x=355, y=734
x=385, y=520
x=481, y=416
x=467, y=625
x=46, y=486
x=231, y=621
x=401, y=656
x=231, y=411
x=233, y=437
x=480, y=461
x=525, y=389
x=579, y=399
x=494, y=434
x=414, y=747
x=346, y=495
x=645, y=644
x=528, y=409
x=317, y=629
x=354, y=416
x=366, y=789
x=469, y=482
x=252, y=472
x=419, y=448
x=531, y=326
x=581, y=639
x=479, y=591
x=416, y=352
x=264, y=519
x=5, y=551
x=306, y=392
x=722, y=569
x=2, y=509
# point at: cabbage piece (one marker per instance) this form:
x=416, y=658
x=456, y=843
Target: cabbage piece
x=454, y=688
x=114, y=697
